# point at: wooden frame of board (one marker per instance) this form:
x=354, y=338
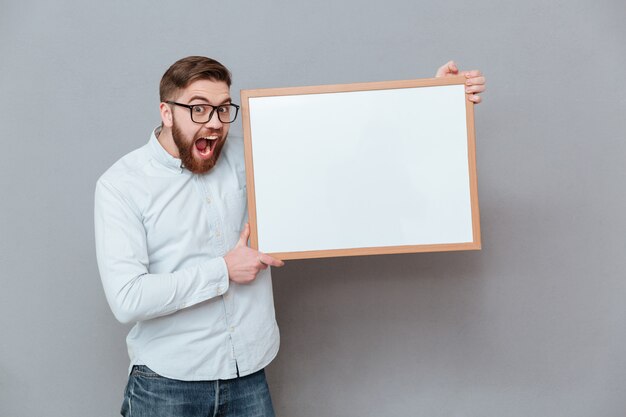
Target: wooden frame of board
x=361, y=169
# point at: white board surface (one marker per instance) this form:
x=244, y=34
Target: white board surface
x=361, y=169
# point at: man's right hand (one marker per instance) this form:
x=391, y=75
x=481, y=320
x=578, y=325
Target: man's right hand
x=244, y=263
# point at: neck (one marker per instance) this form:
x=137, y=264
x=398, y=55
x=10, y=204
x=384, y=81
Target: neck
x=167, y=141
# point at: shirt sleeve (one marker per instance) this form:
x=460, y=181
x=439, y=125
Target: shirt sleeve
x=133, y=293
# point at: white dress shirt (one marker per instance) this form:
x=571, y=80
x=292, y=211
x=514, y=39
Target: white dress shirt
x=161, y=234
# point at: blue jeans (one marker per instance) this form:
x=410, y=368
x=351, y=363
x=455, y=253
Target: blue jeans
x=151, y=395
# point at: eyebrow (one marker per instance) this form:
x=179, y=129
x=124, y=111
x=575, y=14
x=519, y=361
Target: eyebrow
x=227, y=100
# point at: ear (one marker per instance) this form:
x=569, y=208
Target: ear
x=166, y=115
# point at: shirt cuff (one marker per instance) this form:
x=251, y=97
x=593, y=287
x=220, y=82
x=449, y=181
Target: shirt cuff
x=223, y=285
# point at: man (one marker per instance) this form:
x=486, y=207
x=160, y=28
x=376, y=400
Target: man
x=171, y=242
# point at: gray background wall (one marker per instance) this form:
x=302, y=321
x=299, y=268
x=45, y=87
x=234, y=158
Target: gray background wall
x=532, y=325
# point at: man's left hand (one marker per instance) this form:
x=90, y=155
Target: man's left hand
x=474, y=80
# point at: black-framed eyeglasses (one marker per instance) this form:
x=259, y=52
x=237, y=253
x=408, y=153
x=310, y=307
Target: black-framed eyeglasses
x=202, y=113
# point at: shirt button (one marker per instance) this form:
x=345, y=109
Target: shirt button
x=218, y=233
x=231, y=329
x=208, y=200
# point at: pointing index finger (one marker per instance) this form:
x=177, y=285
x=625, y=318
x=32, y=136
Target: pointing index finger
x=268, y=260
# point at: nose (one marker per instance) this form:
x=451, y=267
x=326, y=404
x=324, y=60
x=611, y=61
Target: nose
x=214, y=122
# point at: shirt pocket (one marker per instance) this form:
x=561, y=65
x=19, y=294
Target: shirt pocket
x=235, y=214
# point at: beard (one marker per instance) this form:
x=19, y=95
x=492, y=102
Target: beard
x=185, y=150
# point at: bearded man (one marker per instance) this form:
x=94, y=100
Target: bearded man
x=171, y=242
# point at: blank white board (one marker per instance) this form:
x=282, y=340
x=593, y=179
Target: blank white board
x=361, y=169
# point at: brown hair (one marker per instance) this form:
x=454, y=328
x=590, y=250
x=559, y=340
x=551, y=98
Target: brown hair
x=186, y=70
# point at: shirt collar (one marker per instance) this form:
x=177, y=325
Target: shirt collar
x=161, y=155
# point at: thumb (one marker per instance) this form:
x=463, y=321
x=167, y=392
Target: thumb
x=243, y=237
x=449, y=68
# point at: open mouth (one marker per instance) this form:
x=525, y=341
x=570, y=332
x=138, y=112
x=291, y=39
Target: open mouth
x=206, y=145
